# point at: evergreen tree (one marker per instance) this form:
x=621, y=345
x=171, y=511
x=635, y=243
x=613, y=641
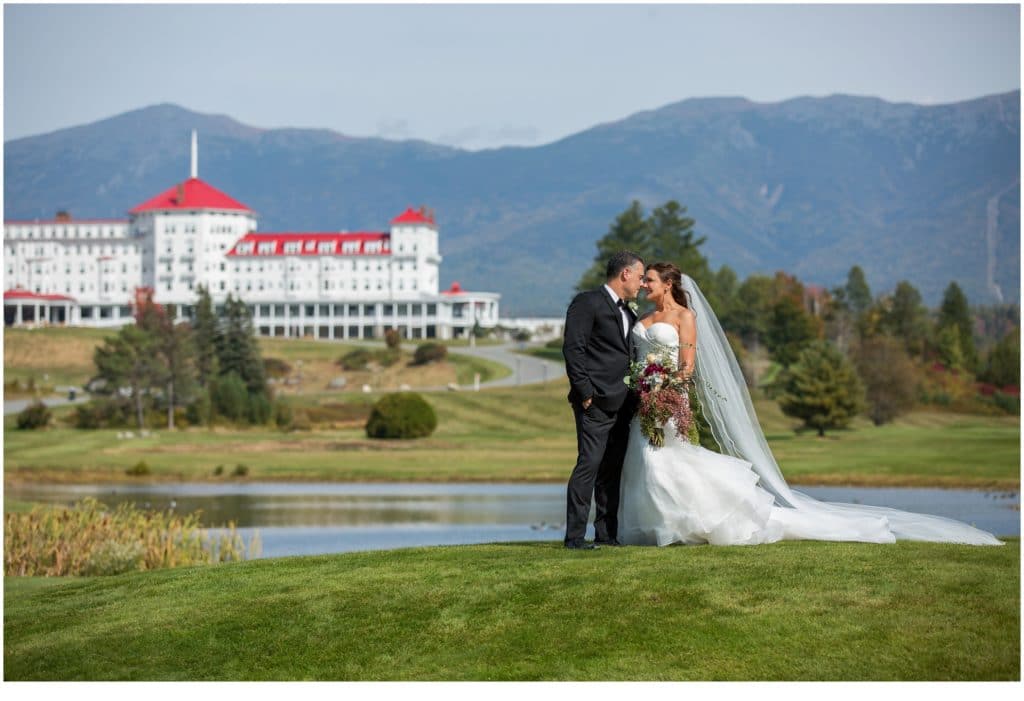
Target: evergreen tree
x=857, y=292
x=666, y=235
x=955, y=313
x=129, y=359
x=205, y=334
x=238, y=351
x=904, y=316
x=790, y=329
x=750, y=317
x=629, y=232
x=1002, y=367
x=175, y=354
x=822, y=388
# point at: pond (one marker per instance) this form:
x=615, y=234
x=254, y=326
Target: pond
x=317, y=518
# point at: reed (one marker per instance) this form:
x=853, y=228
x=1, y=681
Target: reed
x=87, y=539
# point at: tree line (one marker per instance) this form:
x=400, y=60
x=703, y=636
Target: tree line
x=835, y=352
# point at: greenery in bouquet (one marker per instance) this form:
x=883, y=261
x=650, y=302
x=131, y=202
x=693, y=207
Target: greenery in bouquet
x=663, y=394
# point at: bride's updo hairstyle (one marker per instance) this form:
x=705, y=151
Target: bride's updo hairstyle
x=671, y=275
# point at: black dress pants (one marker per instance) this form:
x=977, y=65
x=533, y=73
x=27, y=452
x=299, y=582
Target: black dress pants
x=601, y=443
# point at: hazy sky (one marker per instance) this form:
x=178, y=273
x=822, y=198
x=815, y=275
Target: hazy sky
x=480, y=76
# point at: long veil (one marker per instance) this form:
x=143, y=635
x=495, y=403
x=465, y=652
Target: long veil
x=730, y=413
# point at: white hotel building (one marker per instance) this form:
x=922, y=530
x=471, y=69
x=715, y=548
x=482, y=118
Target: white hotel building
x=334, y=285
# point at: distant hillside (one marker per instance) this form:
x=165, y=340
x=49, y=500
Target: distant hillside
x=811, y=185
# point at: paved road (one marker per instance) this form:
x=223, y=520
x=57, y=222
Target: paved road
x=13, y=406
x=526, y=369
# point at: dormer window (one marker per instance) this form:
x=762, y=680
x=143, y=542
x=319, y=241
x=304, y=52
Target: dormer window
x=292, y=247
x=350, y=247
x=244, y=248
x=266, y=248
x=326, y=247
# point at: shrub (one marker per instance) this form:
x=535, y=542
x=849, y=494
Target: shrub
x=103, y=413
x=230, y=397
x=429, y=353
x=1010, y=403
x=200, y=411
x=393, y=339
x=260, y=409
x=555, y=343
x=282, y=414
x=356, y=359
x=276, y=368
x=35, y=415
x=218, y=471
x=401, y=415
x=360, y=358
x=240, y=470
x=138, y=469
x=300, y=421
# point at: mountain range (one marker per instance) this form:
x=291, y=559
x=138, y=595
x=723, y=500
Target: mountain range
x=812, y=186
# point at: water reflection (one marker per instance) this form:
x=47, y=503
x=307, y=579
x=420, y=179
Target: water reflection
x=307, y=518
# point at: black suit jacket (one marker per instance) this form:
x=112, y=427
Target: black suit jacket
x=596, y=352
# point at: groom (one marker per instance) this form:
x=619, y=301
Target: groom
x=597, y=350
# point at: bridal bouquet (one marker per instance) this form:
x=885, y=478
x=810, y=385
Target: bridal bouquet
x=663, y=396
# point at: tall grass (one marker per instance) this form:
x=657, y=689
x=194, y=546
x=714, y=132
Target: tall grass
x=89, y=539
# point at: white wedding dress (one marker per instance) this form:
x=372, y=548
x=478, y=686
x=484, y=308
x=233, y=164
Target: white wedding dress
x=683, y=493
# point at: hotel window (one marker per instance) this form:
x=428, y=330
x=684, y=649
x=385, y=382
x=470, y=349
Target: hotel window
x=292, y=247
x=267, y=248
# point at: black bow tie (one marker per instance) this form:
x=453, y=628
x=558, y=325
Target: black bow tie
x=622, y=304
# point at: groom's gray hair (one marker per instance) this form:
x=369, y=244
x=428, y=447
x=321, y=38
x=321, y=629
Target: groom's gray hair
x=619, y=262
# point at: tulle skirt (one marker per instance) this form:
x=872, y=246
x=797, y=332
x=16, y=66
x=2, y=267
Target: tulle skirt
x=683, y=493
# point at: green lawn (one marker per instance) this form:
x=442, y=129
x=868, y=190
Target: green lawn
x=517, y=434
x=788, y=611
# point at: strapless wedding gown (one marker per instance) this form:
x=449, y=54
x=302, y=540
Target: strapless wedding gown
x=683, y=493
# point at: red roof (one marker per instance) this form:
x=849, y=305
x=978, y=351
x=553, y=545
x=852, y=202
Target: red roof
x=413, y=216
x=455, y=289
x=22, y=293
x=191, y=194
x=309, y=243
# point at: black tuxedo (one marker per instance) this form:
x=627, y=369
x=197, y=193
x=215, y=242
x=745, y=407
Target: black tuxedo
x=597, y=355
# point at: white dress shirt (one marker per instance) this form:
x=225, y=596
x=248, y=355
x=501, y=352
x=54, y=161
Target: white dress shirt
x=622, y=311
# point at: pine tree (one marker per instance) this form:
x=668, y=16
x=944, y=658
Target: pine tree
x=955, y=313
x=175, y=353
x=822, y=388
x=904, y=316
x=858, y=294
x=629, y=232
x=666, y=235
x=1002, y=367
x=205, y=337
x=790, y=329
x=129, y=359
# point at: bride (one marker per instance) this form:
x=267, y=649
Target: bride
x=682, y=493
